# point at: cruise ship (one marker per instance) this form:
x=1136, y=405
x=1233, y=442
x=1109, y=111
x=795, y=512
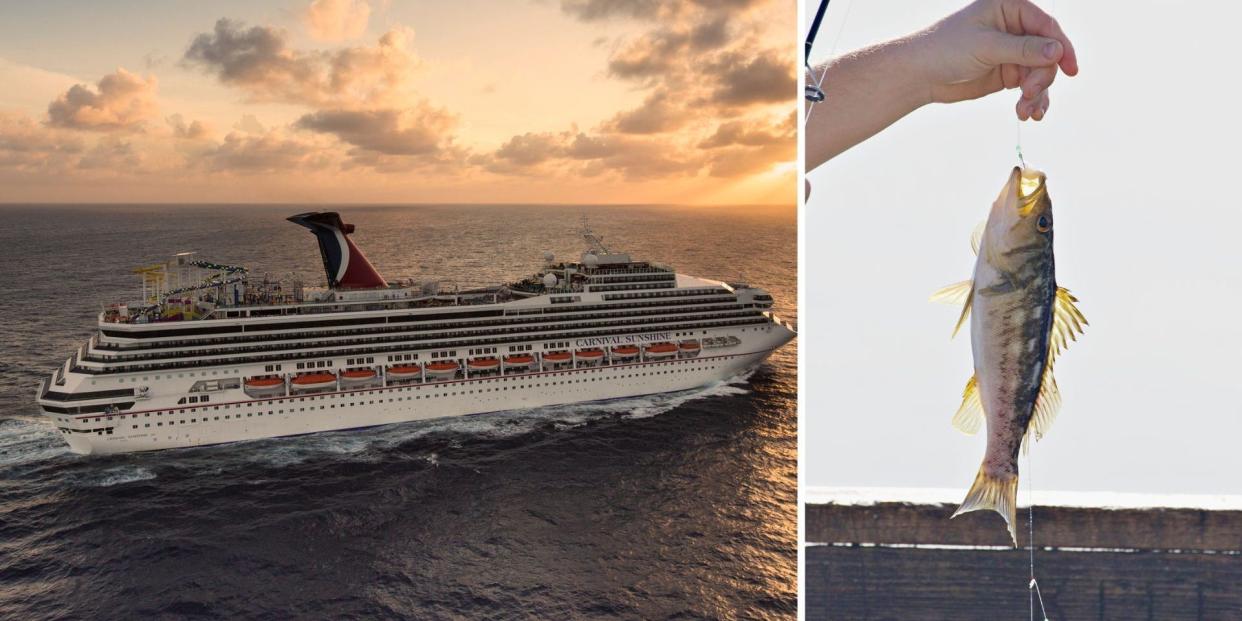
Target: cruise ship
x=211, y=354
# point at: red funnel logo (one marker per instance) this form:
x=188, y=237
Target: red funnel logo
x=344, y=263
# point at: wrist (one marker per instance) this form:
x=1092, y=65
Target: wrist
x=912, y=67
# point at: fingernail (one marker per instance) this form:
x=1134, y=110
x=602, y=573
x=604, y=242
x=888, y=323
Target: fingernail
x=1050, y=50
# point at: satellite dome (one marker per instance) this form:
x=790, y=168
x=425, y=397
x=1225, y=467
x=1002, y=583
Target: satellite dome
x=549, y=280
x=590, y=260
x=548, y=257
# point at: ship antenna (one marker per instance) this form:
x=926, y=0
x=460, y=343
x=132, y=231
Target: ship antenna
x=594, y=241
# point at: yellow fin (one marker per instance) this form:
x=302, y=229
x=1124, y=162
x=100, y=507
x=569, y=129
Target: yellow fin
x=957, y=293
x=976, y=237
x=969, y=416
x=1067, y=323
x=999, y=495
x=1047, y=404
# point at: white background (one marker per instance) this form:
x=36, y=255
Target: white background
x=1142, y=153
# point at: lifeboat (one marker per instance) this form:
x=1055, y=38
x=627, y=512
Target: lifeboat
x=661, y=350
x=483, y=364
x=624, y=352
x=265, y=385
x=519, y=360
x=689, y=349
x=314, y=381
x=557, y=357
x=443, y=369
x=358, y=376
x=402, y=372
x=590, y=356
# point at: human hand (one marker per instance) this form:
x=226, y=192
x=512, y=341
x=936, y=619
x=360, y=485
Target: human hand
x=995, y=44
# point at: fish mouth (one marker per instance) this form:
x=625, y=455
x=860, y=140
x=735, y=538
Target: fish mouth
x=1031, y=188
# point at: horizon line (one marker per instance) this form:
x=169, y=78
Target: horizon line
x=388, y=204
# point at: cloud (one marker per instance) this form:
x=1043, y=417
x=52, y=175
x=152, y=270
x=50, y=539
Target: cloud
x=121, y=101
x=249, y=124
x=746, y=79
x=270, y=152
x=112, y=154
x=648, y=10
x=530, y=149
x=665, y=48
x=744, y=147
x=590, y=10
x=585, y=155
x=336, y=20
x=259, y=60
x=640, y=159
x=195, y=130
x=26, y=145
x=421, y=130
x=752, y=133
x=659, y=113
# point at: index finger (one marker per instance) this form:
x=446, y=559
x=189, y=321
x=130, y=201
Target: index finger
x=1033, y=20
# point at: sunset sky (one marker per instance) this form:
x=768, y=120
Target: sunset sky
x=586, y=101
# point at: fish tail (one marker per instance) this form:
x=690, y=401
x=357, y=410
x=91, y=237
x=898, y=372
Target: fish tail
x=995, y=493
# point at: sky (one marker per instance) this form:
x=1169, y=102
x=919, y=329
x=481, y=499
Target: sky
x=1141, y=155
x=566, y=101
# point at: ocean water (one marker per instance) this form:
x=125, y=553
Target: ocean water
x=673, y=506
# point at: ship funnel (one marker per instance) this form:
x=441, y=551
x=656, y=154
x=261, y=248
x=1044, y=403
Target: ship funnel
x=344, y=263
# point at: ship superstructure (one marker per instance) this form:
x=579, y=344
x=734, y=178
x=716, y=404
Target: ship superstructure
x=210, y=353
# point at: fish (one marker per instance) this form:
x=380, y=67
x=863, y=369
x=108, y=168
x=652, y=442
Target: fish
x=1020, y=322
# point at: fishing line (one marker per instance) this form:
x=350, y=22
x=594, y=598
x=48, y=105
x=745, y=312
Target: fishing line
x=1018, y=148
x=816, y=94
x=1033, y=587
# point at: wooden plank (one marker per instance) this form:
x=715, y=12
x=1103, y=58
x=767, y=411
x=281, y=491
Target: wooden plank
x=1144, y=529
x=964, y=585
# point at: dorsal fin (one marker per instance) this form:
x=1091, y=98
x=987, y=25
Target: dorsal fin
x=1067, y=323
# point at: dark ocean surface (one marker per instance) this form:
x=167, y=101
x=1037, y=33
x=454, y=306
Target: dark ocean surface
x=677, y=506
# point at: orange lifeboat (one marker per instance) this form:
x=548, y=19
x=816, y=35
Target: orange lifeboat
x=263, y=386
x=314, y=381
x=519, y=360
x=442, y=369
x=624, y=351
x=661, y=350
x=404, y=371
x=590, y=354
x=557, y=357
x=357, y=376
x=689, y=349
x=264, y=383
x=483, y=364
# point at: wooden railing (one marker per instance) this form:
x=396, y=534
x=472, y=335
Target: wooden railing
x=907, y=561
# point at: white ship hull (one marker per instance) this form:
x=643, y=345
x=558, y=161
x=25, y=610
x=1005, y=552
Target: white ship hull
x=238, y=417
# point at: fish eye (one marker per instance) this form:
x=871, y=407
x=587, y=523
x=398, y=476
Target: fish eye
x=1043, y=224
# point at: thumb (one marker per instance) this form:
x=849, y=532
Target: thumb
x=1028, y=51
